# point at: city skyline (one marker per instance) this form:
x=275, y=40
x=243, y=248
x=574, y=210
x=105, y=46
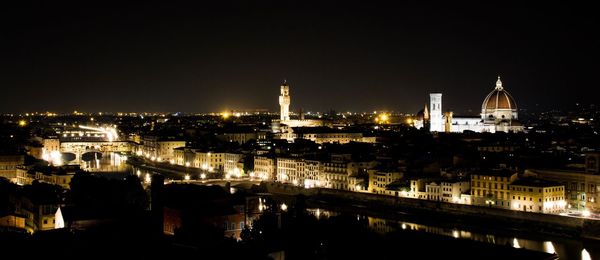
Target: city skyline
x=218, y=56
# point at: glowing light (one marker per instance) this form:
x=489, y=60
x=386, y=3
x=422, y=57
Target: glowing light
x=549, y=247
x=586, y=213
x=384, y=118
x=147, y=179
x=187, y=164
x=225, y=115
x=110, y=132
x=187, y=177
x=403, y=226
x=172, y=161
x=516, y=243
x=585, y=255
x=295, y=182
x=203, y=176
x=138, y=172
x=284, y=207
x=228, y=176
x=22, y=123
x=455, y=234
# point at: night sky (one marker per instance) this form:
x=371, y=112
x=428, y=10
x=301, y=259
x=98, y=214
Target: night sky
x=347, y=56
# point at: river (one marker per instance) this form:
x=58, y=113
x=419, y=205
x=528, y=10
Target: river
x=565, y=248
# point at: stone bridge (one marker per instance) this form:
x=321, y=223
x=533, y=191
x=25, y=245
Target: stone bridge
x=104, y=147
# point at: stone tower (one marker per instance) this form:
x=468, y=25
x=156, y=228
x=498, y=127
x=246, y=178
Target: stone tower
x=435, y=113
x=284, y=102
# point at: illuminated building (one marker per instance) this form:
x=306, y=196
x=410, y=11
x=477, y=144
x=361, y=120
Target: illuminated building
x=8, y=166
x=330, y=174
x=537, y=195
x=290, y=170
x=284, y=102
x=264, y=167
x=492, y=188
x=11, y=220
x=422, y=118
x=582, y=189
x=334, y=175
x=39, y=205
x=242, y=137
x=456, y=191
x=498, y=114
x=285, y=122
x=60, y=176
x=380, y=179
x=321, y=135
x=161, y=149
x=436, y=118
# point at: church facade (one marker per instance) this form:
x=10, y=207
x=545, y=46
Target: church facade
x=498, y=114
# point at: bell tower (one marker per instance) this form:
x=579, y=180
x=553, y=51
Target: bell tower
x=284, y=102
x=435, y=113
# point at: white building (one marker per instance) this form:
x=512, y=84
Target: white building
x=456, y=192
x=435, y=113
x=264, y=167
x=498, y=114
x=433, y=191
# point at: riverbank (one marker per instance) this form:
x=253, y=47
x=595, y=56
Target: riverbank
x=484, y=217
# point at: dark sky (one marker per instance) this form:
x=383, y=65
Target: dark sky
x=344, y=55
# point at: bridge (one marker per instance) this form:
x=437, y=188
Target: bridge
x=79, y=148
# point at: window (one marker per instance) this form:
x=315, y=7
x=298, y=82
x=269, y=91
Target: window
x=45, y=221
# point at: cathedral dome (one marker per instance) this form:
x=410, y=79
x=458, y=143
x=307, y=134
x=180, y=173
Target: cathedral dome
x=499, y=98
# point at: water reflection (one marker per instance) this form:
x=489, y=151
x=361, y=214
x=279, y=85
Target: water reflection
x=107, y=162
x=564, y=248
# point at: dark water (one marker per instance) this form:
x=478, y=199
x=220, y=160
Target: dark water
x=570, y=249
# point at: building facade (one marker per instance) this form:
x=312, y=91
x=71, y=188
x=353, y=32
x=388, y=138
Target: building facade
x=492, y=188
x=536, y=195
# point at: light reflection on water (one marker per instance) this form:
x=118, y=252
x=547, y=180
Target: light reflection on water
x=108, y=162
x=565, y=248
